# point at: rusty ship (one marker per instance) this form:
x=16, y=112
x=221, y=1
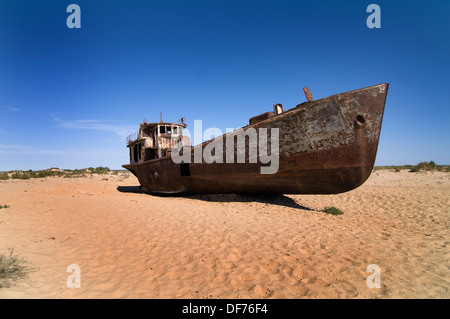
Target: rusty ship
x=324, y=146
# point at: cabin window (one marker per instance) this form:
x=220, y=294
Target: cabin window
x=175, y=130
x=162, y=129
x=184, y=169
x=169, y=130
x=135, y=153
x=139, y=152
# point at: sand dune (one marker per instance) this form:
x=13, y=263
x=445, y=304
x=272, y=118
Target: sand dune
x=133, y=245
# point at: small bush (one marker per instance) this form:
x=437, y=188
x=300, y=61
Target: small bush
x=79, y=171
x=20, y=175
x=430, y=166
x=100, y=170
x=422, y=166
x=12, y=269
x=332, y=211
x=67, y=173
x=4, y=206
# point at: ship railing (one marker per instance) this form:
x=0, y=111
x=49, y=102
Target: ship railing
x=131, y=138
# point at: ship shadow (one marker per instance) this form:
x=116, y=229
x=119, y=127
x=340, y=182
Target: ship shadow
x=130, y=189
x=271, y=199
x=276, y=199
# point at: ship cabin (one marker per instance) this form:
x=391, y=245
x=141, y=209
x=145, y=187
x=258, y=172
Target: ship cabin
x=155, y=140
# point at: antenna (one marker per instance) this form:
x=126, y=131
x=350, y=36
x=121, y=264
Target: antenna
x=160, y=114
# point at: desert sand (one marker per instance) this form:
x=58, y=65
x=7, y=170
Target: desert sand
x=133, y=245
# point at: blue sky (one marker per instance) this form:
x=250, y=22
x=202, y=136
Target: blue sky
x=69, y=97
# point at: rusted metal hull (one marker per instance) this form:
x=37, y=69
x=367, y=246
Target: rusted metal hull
x=326, y=146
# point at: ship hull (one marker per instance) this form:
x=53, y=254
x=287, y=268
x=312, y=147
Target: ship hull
x=326, y=146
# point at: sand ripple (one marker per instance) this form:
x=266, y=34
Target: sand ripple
x=132, y=245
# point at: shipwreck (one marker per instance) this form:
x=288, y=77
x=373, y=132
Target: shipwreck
x=324, y=146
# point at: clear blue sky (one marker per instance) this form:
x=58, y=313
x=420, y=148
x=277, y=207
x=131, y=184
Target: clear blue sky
x=69, y=97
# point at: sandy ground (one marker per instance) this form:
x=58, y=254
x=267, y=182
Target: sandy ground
x=133, y=245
